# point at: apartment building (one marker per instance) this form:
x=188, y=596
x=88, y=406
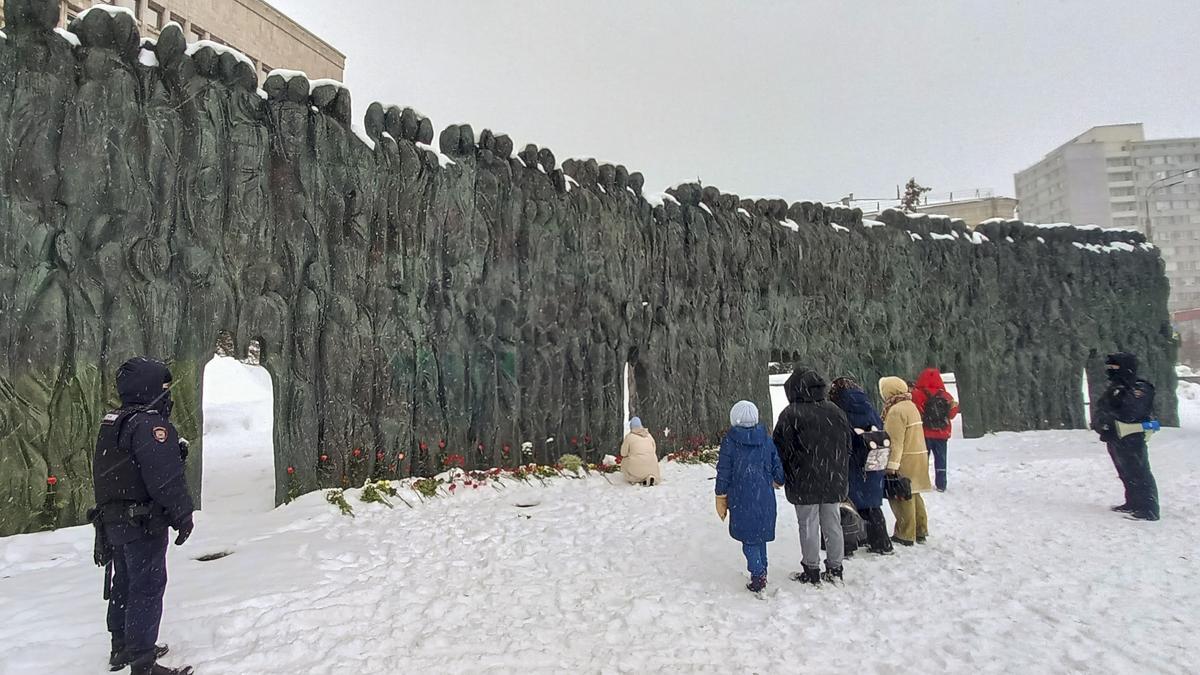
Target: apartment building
x=1112, y=176
x=267, y=36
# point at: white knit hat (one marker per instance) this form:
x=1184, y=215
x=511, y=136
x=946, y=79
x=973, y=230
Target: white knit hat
x=744, y=414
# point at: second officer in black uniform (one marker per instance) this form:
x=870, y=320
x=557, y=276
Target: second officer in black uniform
x=141, y=493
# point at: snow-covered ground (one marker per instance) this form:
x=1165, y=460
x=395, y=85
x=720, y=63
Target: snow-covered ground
x=1026, y=570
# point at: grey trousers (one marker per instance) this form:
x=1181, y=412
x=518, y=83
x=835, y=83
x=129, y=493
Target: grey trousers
x=813, y=519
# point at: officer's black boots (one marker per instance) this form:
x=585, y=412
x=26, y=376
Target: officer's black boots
x=121, y=658
x=147, y=666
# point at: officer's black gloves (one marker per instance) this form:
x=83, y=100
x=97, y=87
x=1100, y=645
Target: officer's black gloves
x=184, y=447
x=185, y=530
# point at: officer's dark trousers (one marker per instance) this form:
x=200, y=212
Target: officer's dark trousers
x=135, y=605
x=1132, y=461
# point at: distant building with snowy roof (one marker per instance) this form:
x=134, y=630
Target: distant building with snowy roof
x=1112, y=176
x=972, y=208
x=973, y=211
x=264, y=34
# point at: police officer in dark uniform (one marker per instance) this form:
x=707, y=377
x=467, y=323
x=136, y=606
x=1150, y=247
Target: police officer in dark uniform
x=141, y=493
x=1125, y=409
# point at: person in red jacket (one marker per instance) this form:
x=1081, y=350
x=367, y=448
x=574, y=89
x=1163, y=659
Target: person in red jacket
x=938, y=410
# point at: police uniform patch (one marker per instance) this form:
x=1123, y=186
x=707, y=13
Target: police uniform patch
x=160, y=434
x=110, y=419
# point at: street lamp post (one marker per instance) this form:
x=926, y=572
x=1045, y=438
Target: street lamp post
x=1156, y=186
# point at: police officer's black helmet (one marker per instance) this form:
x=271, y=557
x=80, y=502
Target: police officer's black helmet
x=140, y=381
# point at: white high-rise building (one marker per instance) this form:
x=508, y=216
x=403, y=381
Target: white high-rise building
x=1112, y=176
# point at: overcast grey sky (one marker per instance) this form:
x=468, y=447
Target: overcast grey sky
x=798, y=99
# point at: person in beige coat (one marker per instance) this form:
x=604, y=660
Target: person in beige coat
x=909, y=458
x=639, y=455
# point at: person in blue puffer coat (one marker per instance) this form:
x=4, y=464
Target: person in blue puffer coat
x=867, y=464
x=748, y=472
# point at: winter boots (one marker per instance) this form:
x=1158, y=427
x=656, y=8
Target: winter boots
x=1122, y=508
x=121, y=658
x=832, y=575
x=810, y=575
x=147, y=665
x=1143, y=515
x=902, y=542
x=757, y=584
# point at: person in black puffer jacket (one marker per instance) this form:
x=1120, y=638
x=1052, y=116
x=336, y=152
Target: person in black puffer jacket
x=1128, y=399
x=813, y=438
x=141, y=494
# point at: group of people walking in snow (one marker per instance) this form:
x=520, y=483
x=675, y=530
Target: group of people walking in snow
x=829, y=445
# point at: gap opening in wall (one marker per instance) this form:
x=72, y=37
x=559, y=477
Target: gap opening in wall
x=1087, y=399
x=627, y=385
x=239, y=452
x=777, y=374
x=959, y=425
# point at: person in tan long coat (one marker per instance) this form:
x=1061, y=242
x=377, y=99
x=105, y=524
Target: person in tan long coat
x=909, y=458
x=639, y=455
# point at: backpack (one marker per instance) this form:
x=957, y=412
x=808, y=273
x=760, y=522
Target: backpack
x=936, y=414
x=879, y=446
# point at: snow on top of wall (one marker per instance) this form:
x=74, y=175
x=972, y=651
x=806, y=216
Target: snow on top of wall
x=148, y=58
x=220, y=49
x=1116, y=246
x=68, y=36
x=327, y=82
x=931, y=216
x=112, y=10
x=758, y=198
x=443, y=160
x=660, y=199
x=288, y=75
